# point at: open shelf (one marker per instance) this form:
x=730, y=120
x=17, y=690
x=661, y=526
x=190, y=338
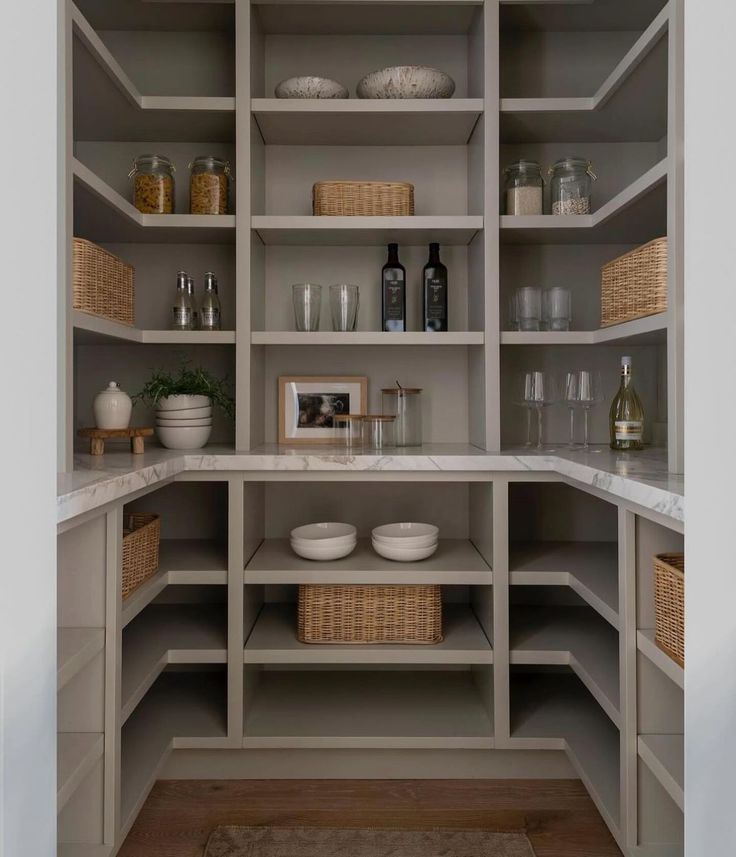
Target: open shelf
x=645, y=642
x=365, y=709
x=358, y=122
x=169, y=634
x=101, y=214
x=361, y=337
x=556, y=712
x=93, y=330
x=630, y=105
x=589, y=568
x=635, y=215
x=76, y=755
x=664, y=755
x=75, y=648
x=273, y=640
x=457, y=562
x=108, y=105
x=571, y=636
x=181, y=709
x=351, y=231
x=651, y=330
x=603, y=15
x=184, y=562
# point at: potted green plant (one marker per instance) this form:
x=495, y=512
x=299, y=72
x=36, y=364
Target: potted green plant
x=184, y=404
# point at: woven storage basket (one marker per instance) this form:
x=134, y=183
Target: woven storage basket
x=367, y=199
x=635, y=284
x=141, y=538
x=350, y=613
x=669, y=604
x=102, y=283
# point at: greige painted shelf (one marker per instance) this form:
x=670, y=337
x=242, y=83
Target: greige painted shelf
x=651, y=330
x=166, y=634
x=273, y=640
x=570, y=636
x=590, y=569
x=646, y=645
x=93, y=330
x=457, y=562
x=366, y=337
x=366, y=709
x=76, y=755
x=664, y=755
x=75, y=648
x=359, y=122
x=352, y=231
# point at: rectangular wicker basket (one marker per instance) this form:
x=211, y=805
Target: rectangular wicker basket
x=366, y=199
x=102, y=284
x=352, y=613
x=669, y=604
x=635, y=285
x=141, y=539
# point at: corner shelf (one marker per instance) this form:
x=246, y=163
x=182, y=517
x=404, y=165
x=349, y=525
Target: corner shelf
x=664, y=755
x=366, y=337
x=93, y=330
x=651, y=330
x=358, y=122
x=76, y=755
x=374, y=231
x=457, y=562
x=273, y=641
x=647, y=646
x=75, y=648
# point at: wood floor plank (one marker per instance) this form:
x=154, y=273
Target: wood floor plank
x=557, y=815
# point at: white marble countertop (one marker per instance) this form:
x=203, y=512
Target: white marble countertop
x=640, y=477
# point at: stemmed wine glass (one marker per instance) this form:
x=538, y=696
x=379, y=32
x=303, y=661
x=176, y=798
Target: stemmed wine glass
x=537, y=391
x=582, y=390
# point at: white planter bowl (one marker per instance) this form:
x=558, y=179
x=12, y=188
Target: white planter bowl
x=180, y=403
x=404, y=554
x=323, y=533
x=185, y=413
x=308, y=86
x=190, y=437
x=323, y=554
x=406, y=81
x=207, y=421
x=407, y=534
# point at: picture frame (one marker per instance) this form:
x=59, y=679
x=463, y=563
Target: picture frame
x=308, y=402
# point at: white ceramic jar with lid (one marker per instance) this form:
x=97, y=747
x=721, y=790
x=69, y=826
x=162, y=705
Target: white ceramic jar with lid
x=112, y=408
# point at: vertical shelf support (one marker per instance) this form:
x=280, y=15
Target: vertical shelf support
x=113, y=672
x=235, y=636
x=502, y=715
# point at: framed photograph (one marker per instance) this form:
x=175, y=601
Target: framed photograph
x=307, y=406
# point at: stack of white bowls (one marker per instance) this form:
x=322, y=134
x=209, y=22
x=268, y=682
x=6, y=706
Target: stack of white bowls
x=324, y=542
x=405, y=542
x=184, y=422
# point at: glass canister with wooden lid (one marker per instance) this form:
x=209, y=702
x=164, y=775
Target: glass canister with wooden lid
x=209, y=185
x=153, y=184
x=404, y=403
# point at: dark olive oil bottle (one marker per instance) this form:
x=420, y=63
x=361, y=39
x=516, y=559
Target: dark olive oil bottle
x=393, y=292
x=434, y=298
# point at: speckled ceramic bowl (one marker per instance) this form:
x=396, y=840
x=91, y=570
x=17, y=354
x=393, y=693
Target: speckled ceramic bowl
x=406, y=81
x=310, y=87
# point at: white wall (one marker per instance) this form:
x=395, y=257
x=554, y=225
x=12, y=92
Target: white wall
x=28, y=241
x=710, y=424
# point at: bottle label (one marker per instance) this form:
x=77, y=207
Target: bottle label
x=182, y=316
x=629, y=430
x=435, y=299
x=210, y=317
x=393, y=305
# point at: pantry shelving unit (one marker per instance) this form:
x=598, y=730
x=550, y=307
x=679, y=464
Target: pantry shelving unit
x=549, y=642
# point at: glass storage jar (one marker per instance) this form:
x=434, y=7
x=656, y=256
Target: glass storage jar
x=404, y=403
x=378, y=431
x=348, y=430
x=572, y=181
x=153, y=184
x=523, y=188
x=209, y=185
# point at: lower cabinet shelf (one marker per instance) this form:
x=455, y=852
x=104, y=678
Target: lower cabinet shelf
x=664, y=755
x=394, y=709
x=76, y=755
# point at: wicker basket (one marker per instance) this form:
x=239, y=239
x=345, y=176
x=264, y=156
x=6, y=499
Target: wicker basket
x=367, y=199
x=369, y=614
x=669, y=604
x=102, y=283
x=141, y=537
x=635, y=284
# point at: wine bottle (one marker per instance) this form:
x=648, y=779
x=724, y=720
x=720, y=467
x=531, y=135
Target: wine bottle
x=627, y=415
x=434, y=301
x=393, y=292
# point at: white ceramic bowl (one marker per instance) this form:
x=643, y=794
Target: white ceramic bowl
x=185, y=413
x=207, y=421
x=403, y=554
x=181, y=403
x=188, y=437
x=406, y=81
x=323, y=533
x=400, y=545
x=324, y=554
x=319, y=543
x=308, y=86
x=407, y=534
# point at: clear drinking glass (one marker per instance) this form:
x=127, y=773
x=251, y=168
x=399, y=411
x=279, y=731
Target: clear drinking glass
x=557, y=308
x=513, y=313
x=344, y=300
x=537, y=390
x=529, y=308
x=307, y=305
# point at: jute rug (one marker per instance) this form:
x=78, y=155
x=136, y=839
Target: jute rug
x=326, y=842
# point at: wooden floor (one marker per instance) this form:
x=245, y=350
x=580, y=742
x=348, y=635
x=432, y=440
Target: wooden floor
x=557, y=815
